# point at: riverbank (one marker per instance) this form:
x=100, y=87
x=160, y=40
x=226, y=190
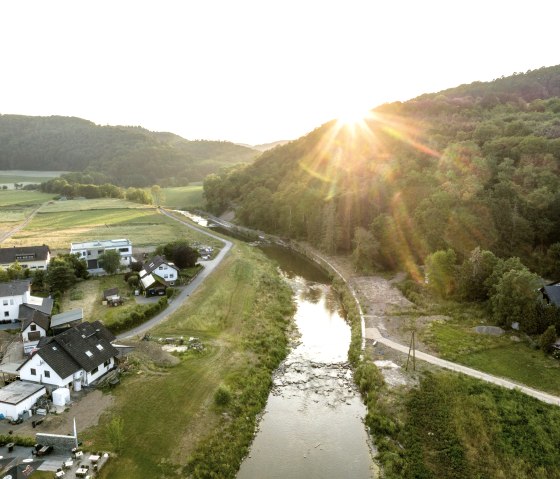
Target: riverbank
x=195, y=416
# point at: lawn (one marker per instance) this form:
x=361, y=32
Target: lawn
x=65, y=222
x=169, y=417
x=183, y=197
x=509, y=355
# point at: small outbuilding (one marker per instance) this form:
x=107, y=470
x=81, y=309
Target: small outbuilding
x=18, y=397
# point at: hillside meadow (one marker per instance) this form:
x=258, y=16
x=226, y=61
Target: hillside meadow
x=183, y=197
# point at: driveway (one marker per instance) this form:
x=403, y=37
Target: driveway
x=186, y=291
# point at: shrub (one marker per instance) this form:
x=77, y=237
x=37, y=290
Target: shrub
x=222, y=397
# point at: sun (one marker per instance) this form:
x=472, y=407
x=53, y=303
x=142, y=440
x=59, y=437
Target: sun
x=353, y=116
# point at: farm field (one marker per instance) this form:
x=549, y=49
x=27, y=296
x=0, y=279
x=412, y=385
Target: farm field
x=183, y=197
x=60, y=223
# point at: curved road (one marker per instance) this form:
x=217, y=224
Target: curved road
x=209, y=266
x=373, y=334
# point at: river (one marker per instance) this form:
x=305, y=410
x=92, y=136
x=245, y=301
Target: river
x=312, y=426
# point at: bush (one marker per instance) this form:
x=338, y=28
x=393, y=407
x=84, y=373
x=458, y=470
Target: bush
x=222, y=397
x=170, y=292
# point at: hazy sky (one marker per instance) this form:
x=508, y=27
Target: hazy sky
x=255, y=71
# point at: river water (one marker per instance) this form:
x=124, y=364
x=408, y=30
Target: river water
x=312, y=426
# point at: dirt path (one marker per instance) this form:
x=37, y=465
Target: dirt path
x=23, y=224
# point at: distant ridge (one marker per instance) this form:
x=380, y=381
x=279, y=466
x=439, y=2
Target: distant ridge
x=125, y=155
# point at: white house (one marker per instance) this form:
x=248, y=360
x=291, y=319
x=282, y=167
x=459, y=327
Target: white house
x=32, y=257
x=12, y=296
x=77, y=357
x=92, y=250
x=33, y=328
x=18, y=397
x=165, y=270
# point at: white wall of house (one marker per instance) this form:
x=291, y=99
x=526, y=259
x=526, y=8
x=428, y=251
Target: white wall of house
x=99, y=371
x=9, y=306
x=14, y=410
x=28, y=344
x=38, y=371
x=94, y=249
x=166, y=272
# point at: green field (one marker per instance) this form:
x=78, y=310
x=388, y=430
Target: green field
x=184, y=197
x=63, y=222
x=18, y=198
x=167, y=409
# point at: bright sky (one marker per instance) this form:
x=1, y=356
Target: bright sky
x=256, y=71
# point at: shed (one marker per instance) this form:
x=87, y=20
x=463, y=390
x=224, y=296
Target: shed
x=67, y=319
x=18, y=397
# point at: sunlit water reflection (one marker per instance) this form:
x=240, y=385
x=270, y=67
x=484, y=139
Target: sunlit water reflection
x=313, y=423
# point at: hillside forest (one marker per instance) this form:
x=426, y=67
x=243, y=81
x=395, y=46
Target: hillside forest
x=473, y=166
x=121, y=155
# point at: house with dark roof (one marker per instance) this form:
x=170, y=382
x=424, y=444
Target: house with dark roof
x=32, y=257
x=77, y=357
x=17, y=303
x=34, y=326
x=157, y=275
x=163, y=269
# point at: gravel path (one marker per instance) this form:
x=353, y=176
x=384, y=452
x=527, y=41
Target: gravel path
x=377, y=296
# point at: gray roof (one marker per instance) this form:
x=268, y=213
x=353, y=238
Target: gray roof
x=552, y=293
x=45, y=307
x=156, y=261
x=29, y=315
x=67, y=317
x=110, y=292
x=10, y=255
x=17, y=391
x=85, y=346
x=14, y=288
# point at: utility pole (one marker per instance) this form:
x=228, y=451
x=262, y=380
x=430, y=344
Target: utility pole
x=412, y=348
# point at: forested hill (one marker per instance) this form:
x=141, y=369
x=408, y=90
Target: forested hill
x=128, y=156
x=475, y=165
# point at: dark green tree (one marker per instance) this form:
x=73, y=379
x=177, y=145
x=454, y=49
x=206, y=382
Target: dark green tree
x=547, y=339
x=110, y=261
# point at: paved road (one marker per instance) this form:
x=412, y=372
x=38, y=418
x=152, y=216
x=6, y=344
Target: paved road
x=186, y=291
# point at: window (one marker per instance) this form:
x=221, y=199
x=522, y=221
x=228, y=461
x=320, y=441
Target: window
x=94, y=371
x=106, y=363
x=33, y=372
x=89, y=253
x=6, y=314
x=5, y=302
x=47, y=374
x=123, y=250
x=99, y=347
x=166, y=276
x=33, y=327
x=89, y=354
x=11, y=302
x=161, y=267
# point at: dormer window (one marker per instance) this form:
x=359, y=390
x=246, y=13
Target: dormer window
x=99, y=347
x=89, y=354
x=33, y=327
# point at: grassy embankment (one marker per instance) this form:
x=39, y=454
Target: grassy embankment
x=453, y=426
x=171, y=424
